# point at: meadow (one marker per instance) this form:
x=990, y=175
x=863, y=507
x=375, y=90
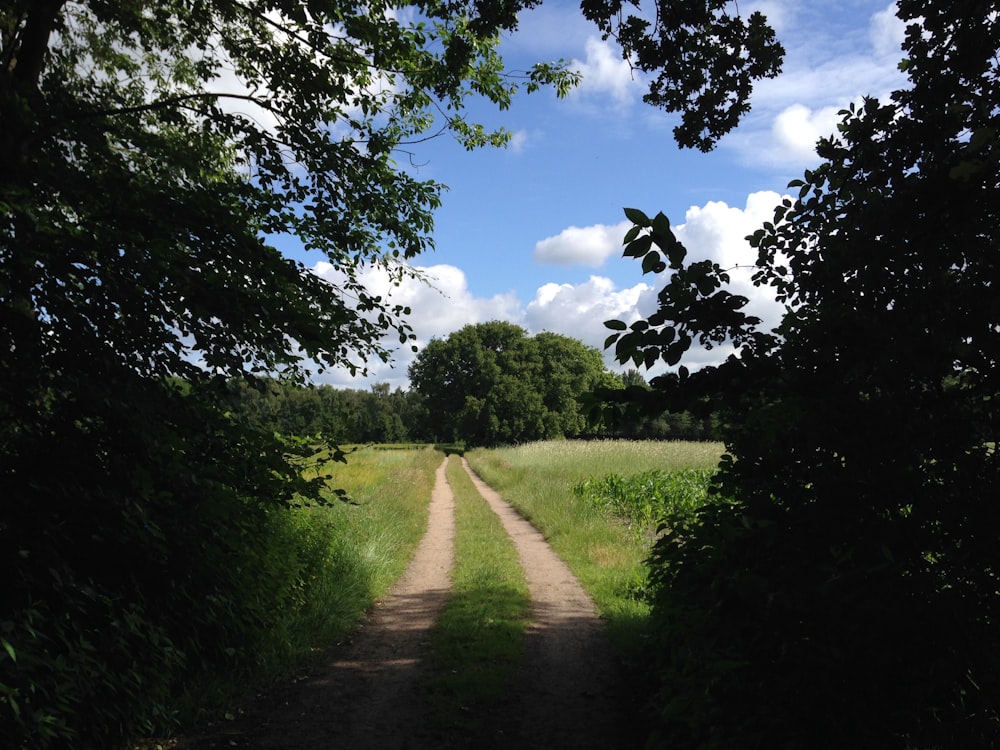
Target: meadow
x=596, y=502
x=324, y=565
x=599, y=505
x=595, y=535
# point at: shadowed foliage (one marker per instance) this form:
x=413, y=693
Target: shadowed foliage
x=147, y=153
x=848, y=596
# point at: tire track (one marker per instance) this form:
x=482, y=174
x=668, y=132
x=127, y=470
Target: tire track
x=366, y=695
x=565, y=694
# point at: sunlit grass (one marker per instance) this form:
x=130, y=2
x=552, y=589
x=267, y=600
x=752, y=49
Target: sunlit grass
x=389, y=495
x=324, y=565
x=320, y=567
x=537, y=479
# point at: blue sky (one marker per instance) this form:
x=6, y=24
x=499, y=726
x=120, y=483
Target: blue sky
x=532, y=233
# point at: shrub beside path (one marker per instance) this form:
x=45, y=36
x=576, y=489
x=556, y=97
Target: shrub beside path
x=365, y=694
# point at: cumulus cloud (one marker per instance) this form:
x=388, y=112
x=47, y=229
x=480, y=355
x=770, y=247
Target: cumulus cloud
x=605, y=73
x=440, y=301
x=578, y=310
x=886, y=31
x=585, y=246
x=823, y=74
x=715, y=231
x=777, y=13
x=797, y=129
x=718, y=232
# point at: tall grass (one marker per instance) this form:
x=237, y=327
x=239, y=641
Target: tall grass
x=607, y=557
x=318, y=568
x=351, y=553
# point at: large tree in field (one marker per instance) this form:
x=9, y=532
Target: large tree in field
x=147, y=152
x=848, y=594
x=491, y=384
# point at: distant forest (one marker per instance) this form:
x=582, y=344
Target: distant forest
x=383, y=415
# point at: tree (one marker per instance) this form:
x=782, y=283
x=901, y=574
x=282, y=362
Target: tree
x=570, y=368
x=630, y=408
x=490, y=384
x=846, y=594
x=147, y=153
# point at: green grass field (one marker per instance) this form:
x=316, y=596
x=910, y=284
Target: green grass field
x=327, y=564
x=607, y=556
x=322, y=566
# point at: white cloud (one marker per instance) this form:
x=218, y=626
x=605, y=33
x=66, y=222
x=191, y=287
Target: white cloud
x=886, y=32
x=579, y=310
x=718, y=232
x=714, y=231
x=825, y=70
x=777, y=12
x=443, y=302
x=518, y=141
x=440, y=301
x=797, y=129
x=586, y=246
x=605, y=73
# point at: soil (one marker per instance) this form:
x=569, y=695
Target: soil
x=569, y=692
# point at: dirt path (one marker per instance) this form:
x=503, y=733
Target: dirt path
x=365, y=695
x=565, y=694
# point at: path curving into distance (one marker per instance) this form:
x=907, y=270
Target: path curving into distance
x=366, y=696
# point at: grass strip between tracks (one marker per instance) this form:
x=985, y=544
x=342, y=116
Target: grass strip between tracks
x=478, y=640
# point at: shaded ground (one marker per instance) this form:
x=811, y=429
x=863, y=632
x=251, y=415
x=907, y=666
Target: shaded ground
x=365, y=694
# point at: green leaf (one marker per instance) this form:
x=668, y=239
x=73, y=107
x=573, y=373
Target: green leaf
x=615, y=325
x=651, y=262
x=637, y=217
x=661, y=225
x=638, y=247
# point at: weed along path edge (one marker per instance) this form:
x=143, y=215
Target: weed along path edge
x=366, y=694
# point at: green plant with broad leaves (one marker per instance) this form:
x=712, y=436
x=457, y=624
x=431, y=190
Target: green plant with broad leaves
x=648, y=500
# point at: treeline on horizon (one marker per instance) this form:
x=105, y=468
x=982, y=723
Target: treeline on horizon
x=381, y=414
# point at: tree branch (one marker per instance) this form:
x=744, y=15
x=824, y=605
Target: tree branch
x=169, y=102
x=27, y=59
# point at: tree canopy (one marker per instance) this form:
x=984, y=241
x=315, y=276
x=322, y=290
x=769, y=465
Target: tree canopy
x=847, y=594
x=491, y=384
x=147, y=154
